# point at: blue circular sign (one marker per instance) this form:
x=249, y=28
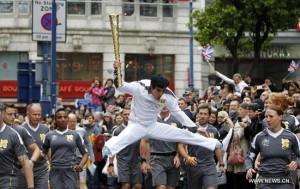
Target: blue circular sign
x=46, y=21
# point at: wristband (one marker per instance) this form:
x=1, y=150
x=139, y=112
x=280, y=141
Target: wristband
x=189, y=157
x=143, y=160
x=110, y=165
x=221, y=165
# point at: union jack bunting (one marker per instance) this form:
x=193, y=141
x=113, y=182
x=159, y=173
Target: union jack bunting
x=293, y=66
x=207, y=53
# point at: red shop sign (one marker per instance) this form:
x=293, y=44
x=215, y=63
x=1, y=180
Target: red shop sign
x=74, y=89
x=8, y=89
x=67, y=89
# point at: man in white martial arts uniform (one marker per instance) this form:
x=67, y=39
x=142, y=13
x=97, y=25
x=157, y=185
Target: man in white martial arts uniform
x=149, y=97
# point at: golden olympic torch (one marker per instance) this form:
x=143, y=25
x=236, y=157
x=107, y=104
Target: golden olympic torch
x=114, y=23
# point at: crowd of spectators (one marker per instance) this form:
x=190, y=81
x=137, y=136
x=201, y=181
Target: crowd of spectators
x=237, y=111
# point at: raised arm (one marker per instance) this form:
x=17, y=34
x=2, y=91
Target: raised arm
x=130, y=88
x=223, y=77
x=117, y=65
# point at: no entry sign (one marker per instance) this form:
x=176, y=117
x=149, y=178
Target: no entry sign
x=41, y=20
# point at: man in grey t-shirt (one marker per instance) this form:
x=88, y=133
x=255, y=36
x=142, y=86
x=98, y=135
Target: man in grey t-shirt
x=201, y=166
x=63, y=144
x=12, y=150
x=38, y=131
x=72, y=125
x=129, y=172
x=164, y=160
x=29, y=142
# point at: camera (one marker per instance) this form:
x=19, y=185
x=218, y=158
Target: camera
x=186, y=93
x=239, y=119
x=259, y=87
x=216, y=93
x=85, y=122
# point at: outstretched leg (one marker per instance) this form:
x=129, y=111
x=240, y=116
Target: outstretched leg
x=161, y=131
x=131, y=134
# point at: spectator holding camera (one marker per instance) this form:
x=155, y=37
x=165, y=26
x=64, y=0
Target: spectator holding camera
x=269, y=82
x=109, y=92
x=224, y=124
x=97, y=93
x=255, y=126
x=108, y=124
x=120, y=101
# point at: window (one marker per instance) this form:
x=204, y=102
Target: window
x=210, y=2
x=128, y=7
x=76, y=8
x=24, y=7
x=96, y=8
x=79, y=66
x=9, y=62
x=142, y=66
x=167, y=8
x=6, y=6
x=148, y=8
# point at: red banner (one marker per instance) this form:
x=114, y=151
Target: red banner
x=298, y=26
x=67, y=89
x=8, y=89
x=74, y=89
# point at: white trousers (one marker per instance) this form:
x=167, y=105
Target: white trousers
x=160, y=131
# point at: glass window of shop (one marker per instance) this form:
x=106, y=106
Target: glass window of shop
x=143, y=66
x=9, y=64
x=76, y=8
x=148, y=8
x=6, y=6
x=23, y=7
x=96, y=8
x=128, y=7
x=79, y=66
x=168, y=8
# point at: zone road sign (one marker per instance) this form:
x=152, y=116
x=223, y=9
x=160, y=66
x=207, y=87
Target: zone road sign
x=42, y=23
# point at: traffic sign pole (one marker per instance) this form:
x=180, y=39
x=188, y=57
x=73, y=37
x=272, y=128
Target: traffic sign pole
x=45, y=101
x=53, y=57
x=30, y=82
x=46, y=16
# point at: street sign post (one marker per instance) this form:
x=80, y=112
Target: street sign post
x=41, y=20
x=82, y=102
x=28, y=91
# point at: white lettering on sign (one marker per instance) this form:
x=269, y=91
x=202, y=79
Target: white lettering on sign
x=272, y=52
x=46, y=8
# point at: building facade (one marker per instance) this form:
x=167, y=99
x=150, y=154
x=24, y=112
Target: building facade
x=154, y=38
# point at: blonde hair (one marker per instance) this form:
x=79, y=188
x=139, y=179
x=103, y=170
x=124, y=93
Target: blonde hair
x=237, y=75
